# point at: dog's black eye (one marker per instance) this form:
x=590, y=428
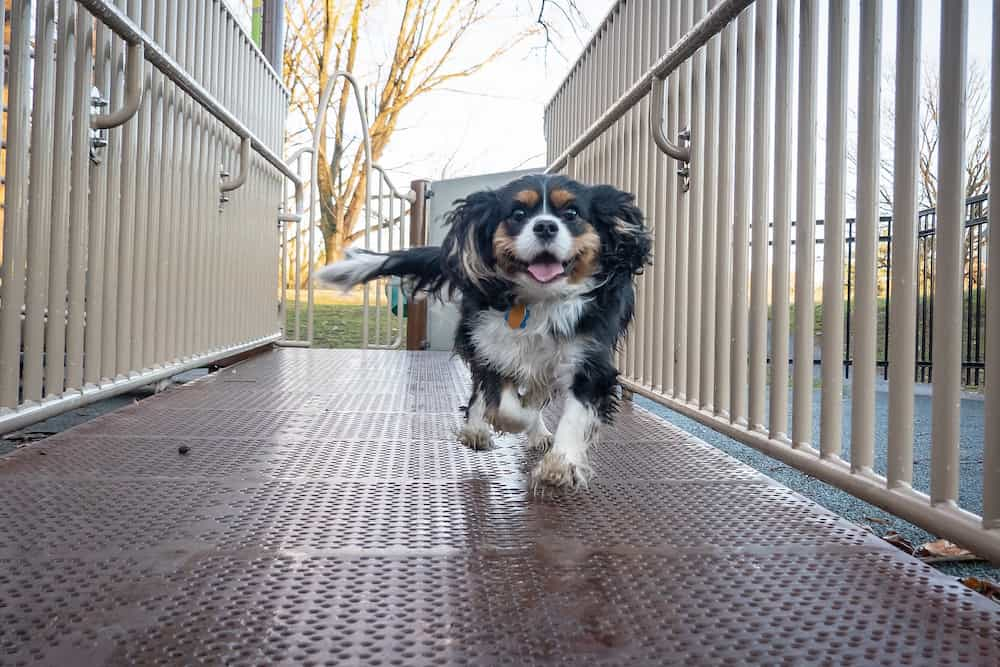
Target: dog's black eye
x=570, y=214
x=518, y=215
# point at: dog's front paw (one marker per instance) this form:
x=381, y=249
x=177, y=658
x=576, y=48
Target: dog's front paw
x=540, y=443
x=555, y=470
x=476, y=439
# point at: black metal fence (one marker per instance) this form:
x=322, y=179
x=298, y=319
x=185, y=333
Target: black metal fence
x=973, y=324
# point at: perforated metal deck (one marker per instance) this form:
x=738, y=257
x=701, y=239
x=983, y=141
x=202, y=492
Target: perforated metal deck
x=326, y=515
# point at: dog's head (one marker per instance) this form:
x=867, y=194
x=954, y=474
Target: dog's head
x=544, y=237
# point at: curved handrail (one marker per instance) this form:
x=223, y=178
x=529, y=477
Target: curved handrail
x=241, y=177
x=656, y=119
x=324, y=102
x=409, y=196
x=299, y=152
x=134, y=65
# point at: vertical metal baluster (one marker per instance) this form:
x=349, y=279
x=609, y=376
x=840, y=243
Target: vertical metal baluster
x=96, y=267
x=672, y=189
x=181, y=323
x=863, y=386
x=647, y=193
x=946, y=401
x=695, y=221
x=991, y=409
x=79, y=194
x=706, y=395
x=681, y=252
x=783, y=190
x=833, y=233
x=125, y=330
x=147, y=136
x=193, y=241
x=15, y=228
x=741, y=218
x=39, y=203
x=629, y=156
x=657, y=216
x=763, y=60
x=113, y=214
x=157, y=163
x=902, y=307
x=176, y=30
x=724, y=220
x=379, y=284
x=59, y=246
x=805, y=235
x=204, y=191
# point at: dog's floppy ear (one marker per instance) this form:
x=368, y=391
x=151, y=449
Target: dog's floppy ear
x=467, y=249
x=630, y=243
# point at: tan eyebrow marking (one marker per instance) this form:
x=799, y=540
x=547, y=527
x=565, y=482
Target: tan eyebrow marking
x=561, y=198
x=528, y=198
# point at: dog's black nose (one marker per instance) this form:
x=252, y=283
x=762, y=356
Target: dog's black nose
x=546, y=230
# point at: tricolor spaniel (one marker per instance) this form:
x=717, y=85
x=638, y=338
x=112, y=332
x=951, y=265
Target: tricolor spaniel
x=544, y=268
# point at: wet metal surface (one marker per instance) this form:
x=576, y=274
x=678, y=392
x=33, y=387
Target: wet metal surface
x=326, y=515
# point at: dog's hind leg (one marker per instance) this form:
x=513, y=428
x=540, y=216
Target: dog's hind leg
x=476, y=433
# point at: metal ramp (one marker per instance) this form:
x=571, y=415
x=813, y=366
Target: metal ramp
x=325, y=515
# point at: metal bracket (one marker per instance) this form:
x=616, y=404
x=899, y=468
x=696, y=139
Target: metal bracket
x=98, y=137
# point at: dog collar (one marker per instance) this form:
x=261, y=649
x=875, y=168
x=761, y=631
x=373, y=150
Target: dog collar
x=517, y=316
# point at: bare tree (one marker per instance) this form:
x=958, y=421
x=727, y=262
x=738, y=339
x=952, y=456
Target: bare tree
x=977, y=138
x=324, y=37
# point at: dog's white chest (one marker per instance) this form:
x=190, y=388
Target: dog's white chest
x=539, y=352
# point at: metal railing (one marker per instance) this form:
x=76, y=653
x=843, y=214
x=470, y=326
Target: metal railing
x=296, y=261
x=383, y=327
x=972, y=326
x=699, y=342
x=128, y=254
x=388, y=212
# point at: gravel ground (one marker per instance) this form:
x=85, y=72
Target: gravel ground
x=849, y=507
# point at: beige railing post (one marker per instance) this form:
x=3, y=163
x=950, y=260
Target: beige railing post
x=416, y=321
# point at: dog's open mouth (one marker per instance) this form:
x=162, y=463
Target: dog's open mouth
x=546, y=269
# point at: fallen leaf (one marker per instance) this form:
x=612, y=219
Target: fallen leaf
x=983, y=587
x=939, y=550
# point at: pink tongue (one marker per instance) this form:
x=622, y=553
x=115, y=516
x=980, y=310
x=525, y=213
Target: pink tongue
x=545, y=272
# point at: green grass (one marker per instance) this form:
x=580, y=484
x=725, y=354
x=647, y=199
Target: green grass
x=340, y=325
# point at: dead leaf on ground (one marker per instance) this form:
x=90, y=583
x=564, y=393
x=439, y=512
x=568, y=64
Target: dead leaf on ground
x=983, y=587
x=943, y=550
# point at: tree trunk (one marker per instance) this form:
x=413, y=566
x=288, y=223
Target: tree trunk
x=334, y=248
